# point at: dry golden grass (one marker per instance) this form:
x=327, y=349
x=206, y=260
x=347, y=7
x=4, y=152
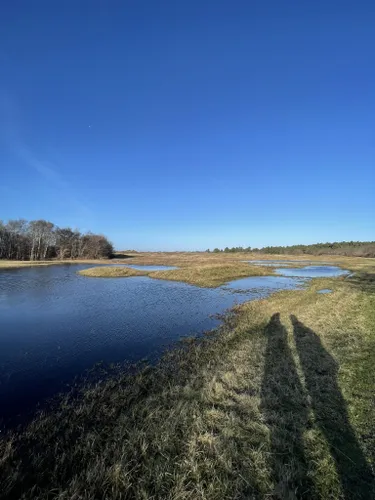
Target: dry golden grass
x=111, y=272
x=206, y=275
x=279, y=404
x=13, y=264
x=187, y=258
x=212, y=274
x=199, y=262
x=212, y=270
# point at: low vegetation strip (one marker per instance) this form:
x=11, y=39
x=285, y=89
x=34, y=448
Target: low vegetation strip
x=211, y=275
x=208, y=275
x=111, y=272
x=19, y=264
x=278, y=403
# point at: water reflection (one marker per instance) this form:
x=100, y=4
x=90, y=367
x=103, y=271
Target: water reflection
x=313, y=272
x=280, y=263
x=152, y=268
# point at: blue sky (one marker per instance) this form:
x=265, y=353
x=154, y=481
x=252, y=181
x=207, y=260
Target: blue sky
x=188, y=125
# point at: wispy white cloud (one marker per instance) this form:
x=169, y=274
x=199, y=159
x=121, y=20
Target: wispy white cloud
x=49, y=171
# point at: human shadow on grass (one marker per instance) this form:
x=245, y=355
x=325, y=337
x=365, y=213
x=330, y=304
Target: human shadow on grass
x=286, y=413
x=321, y=370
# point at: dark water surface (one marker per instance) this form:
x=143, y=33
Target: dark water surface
x=55, y=324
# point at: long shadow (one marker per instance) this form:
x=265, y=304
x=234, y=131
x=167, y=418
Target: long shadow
x=285, y=409
x=320, y=370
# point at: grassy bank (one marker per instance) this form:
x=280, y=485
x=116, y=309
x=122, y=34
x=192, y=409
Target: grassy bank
x=203, y=260
x=278, y=404
x=186, y=258
x=212, y=274
x=207, y=275
x=16, y=264
x=13, y=264
x=111, y=272
x=212, y=270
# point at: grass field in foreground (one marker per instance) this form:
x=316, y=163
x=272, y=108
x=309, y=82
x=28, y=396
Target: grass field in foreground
x=279, y=403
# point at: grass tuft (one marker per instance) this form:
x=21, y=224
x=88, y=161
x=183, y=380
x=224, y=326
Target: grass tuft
x=211, y=274
x=111, y=272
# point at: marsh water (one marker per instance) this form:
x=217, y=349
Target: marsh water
x=282, y=263
x=55, y=324
x=151, y=268
x=312, y=272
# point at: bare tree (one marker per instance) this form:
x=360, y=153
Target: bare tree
x=64, y=238
x=41, y=239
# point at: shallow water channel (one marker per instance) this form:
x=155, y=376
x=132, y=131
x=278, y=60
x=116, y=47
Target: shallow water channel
x=55, y=324
x=282, y=263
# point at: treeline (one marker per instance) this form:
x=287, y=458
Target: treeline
x=349, y=248
x=41, y=239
